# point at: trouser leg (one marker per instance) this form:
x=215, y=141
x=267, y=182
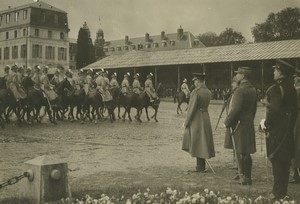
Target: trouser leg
x=200, y=164
x=281, y=177
x=247, y=160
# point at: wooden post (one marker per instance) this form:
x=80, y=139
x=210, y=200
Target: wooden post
x=262, y=78
x=178, y=77
x=155, y=79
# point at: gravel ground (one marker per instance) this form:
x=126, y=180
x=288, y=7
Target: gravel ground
x=124, y=155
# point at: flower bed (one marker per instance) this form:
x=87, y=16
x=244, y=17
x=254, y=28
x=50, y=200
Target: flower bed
x=174, y=197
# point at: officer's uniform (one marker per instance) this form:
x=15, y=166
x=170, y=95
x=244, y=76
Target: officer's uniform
x=149, y=89
x=14, y=86
x=125, y=85
x=185, y=89
x=113, y=82
x=136, y=85
x=281, y=113
x=47, y=87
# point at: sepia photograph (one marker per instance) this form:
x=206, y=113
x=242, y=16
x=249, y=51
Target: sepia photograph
x=149, y=101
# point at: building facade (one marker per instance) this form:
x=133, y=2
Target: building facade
x=34, y=34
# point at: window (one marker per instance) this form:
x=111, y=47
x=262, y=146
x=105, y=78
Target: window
x=17, y=16
x=163, y=43
x=62, y=35
x=50, y=52
x=15, y=52
x=1, y=19
x=125, y=47
x=155, y=44
x=6, y=53
x=24, y=32
x=133, y=47
x=24, y=14
x=43, y=17
x=62, y=53
x=148, y=45
x=140, y=46
x=16, y=34
x=7, y=18
x=37, y=32
x=112, y=49
x=172, y=42
x=23, y=51
x=119, y=48
x=37, y=51
x=7, y=35
x=0, y=53
x=49, y=34
x=105, y=49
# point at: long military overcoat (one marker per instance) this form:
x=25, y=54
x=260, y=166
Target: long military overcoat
x=281, y=113
x=241, y=117
x=198, y=138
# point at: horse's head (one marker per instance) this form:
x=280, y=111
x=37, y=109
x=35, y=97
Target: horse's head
x=64, y=85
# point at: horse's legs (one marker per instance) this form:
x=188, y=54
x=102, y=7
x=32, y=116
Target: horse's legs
x=146, y=109
x=128, y=111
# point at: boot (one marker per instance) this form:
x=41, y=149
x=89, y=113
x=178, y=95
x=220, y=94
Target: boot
x=200, y=165
x=247, y=162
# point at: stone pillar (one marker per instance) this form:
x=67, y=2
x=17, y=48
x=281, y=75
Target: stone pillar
x=48, y=181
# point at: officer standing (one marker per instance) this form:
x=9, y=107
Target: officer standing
x=197, y=124
x=281, y=113
x=240, y=119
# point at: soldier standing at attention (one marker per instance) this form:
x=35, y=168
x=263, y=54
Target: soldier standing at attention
x=197, y=124
x=240, y=119
x=281, y=114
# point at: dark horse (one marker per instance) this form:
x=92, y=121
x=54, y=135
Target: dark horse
x=116, y=94
x=77, y=99
x=144, y=101
x=181, y=98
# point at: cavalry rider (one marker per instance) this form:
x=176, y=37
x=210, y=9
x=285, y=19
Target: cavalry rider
x=125, y=84
x=6, y=74
x=113, y=82
x=149, y=89
x=14, y=85
x=46, y=86
x=79, y=80
x=99, y=80
x=88, y=81
x=105, y=87
x=69, y=77
x=185, y=88
x=27, y=81
x=36, y=78
x=61, y=74
x=136, y=85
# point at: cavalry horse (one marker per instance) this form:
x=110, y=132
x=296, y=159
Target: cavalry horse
x=144, y=101
x=181, y=98
x=115, y=93
x=77, y=99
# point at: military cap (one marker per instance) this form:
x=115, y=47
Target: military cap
x=127, y=74
x=136, y=75
x=284, y=66
x=244, y=70
x=114, y=75
x=185, y=80
x=150, y=75
x=198, y=76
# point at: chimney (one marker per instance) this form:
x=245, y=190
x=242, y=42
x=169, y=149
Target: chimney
x=147, y=38
x=126, y=39
x=179, y=33
x=162, y=35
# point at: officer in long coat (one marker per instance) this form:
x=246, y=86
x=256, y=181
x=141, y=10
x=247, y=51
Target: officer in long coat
x=198, y=137
x=281, y=113
x=296, y=160
x=240, y=120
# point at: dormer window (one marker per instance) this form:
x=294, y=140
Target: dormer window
x=155, y=44
x=196, y=42
x=112, y=49
x=163, y=43
x=125, y=47
x=133, y=47
x=105, y=49
x=119, y=48
x=62, y=35
x=172, y=42
x=140, y=46
x=147, y=45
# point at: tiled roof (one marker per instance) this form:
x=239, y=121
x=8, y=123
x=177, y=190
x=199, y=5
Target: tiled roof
x=230, y=53
x=38, y=4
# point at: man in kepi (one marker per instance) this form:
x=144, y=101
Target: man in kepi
x=281, y=113
x=198, y=137
x=240, y=120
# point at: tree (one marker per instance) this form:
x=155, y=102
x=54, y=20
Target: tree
x=230, y=37
x=284, y=25
x=85, y=49
x=208, y=38
x=227, y=37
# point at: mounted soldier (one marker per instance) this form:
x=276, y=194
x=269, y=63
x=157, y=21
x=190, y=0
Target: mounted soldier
x=105, y=88
x=46, y=86
x=185, y=89
x=113, y=82
x=149, y=89
x=69, y=77
x=125, y=84
x=14, y=85
x=88, y=81
x=36, y=77
x=136, y=85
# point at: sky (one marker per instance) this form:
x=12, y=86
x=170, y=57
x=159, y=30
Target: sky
x=134, y=18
